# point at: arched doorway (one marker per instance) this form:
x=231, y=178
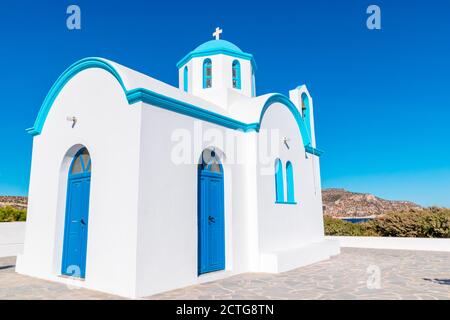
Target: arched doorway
x=77, y=214
x=211, y=226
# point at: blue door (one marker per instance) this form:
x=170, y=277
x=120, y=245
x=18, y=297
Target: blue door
x=77, y=214
x=211, y=231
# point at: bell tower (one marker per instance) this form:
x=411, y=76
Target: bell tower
x=218, y=71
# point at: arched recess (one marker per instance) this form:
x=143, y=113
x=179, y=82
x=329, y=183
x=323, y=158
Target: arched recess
x=207, y=73
x=236, y=74
x=279, y=182
x=306, y=113
x=211, y=215
x=186, y=79
x=290, y=182
x=77, y=215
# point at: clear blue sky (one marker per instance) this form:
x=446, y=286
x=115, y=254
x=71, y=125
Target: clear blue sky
x=382, y=98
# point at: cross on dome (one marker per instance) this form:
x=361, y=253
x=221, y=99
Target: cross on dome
x=217, y=33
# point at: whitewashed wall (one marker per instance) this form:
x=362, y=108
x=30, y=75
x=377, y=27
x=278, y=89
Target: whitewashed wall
x=167, y=224
x=282, y=225
x=142, y=236
x=222, y=85
x=12, y=236
x=110, y=129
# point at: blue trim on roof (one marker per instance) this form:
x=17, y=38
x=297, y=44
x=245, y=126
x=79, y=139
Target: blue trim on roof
x=74, y=69
x=156, y=99
x=218, y=44
x=168, y=103
x=214, y=47
x=285, y=101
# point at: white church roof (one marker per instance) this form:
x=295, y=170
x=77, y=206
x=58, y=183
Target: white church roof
x=136, y=80
x=244, y=114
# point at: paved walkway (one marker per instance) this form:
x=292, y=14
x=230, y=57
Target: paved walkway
x=354, y=274
x=14, y=286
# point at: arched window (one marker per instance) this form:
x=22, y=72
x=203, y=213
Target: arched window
x=185, y=79
x=290, y=182
x=81, y=164
x=253, y=83
x=305, y=106
x=236, y=74
x=207, y=73
x=279, y=187
x=210, y=161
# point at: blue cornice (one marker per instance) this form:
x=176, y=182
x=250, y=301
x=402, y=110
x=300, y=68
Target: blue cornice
x=313, y=151
x=168, y=103
x=195, y=54
x=156, y=99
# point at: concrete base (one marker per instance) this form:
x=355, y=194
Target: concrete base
x=285, y=260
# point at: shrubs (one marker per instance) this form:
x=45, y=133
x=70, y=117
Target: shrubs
x=338, y=227
x=10, y=214
x=427, y=223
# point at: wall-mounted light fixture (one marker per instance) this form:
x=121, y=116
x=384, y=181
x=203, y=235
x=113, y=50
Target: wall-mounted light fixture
x=73, y=120
x=285, y=140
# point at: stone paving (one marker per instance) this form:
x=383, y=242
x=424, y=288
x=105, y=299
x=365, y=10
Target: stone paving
x=14, y=286
x=354, y=274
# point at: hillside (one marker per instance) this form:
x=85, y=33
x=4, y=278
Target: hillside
x=15, y=202
x=336, y=203
x=342, y=203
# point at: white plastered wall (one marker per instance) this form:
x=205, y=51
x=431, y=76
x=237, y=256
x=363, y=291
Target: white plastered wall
x=289, y=235
x=282, y=225
x=109, y=127
x=167, y=225
x=222, y=92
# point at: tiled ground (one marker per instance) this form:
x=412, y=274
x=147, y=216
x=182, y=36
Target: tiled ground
x=16, y=286
x=354, y=274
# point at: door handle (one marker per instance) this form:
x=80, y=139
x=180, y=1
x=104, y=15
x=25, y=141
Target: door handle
x=211, y=219
x=82, y=222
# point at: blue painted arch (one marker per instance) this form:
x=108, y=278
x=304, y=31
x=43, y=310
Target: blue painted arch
x=63, y=79
x=301, y=123
x=150, y=97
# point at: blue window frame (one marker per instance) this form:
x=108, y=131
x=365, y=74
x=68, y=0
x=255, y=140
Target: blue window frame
x=236, y=74
x=279, y=185
x=253, y=83
x=305, y=106
x=185, y=79
x=207, y=73
x=306, y=112
x=290, y=182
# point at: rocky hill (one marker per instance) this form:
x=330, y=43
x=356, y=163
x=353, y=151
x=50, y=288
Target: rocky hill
x=15, y=202
x=336, y=203
x=342, y=203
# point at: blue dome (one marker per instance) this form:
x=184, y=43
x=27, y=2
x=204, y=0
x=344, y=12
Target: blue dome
x=217, y=45
x=213, y=47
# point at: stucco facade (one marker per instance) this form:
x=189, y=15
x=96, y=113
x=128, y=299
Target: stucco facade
x=146, y=139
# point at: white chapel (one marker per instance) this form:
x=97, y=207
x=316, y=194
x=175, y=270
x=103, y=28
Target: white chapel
x=138, y=187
